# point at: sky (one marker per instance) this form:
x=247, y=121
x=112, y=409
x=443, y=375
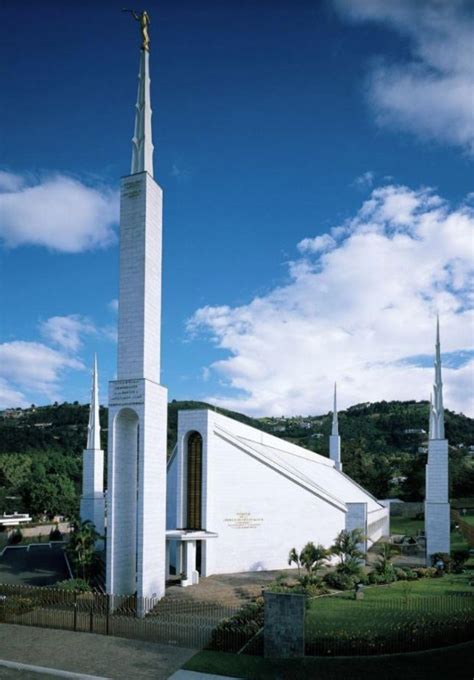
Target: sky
x=316, y=160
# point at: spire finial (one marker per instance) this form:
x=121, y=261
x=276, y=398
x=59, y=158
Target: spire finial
x=437, y=429
x=335, y=425
x=142, y=145
x=93, y=428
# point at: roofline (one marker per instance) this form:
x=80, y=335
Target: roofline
x=311, y=487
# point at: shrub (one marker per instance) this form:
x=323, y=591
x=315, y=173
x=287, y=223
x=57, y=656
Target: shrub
x=314, y=590
x=15, y=537
x=459, y=557
x=232, y=633
x=426, y=572
x=377, y=578
x=340, y=581
x=411, y=575
x=352, y=567
x=78, y=585
x=400, y=574
x=55, y=534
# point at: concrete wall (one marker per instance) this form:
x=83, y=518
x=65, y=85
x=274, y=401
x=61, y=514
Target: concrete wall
x=284, y=629
x=378, y=525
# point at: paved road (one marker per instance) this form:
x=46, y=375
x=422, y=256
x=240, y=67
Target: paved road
x=86, y=653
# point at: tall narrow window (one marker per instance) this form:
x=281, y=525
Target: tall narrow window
x=194, y=481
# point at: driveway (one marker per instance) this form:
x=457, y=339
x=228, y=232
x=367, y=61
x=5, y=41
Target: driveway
x=89, y=654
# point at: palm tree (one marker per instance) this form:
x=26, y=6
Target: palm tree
x=81, y=546
x=293, y=557
x=312, y=557
x=346, y=547
x=384, y=564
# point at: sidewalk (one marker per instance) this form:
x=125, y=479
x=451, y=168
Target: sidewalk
x=87, y=654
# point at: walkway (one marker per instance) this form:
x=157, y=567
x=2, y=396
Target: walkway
x=87, y=654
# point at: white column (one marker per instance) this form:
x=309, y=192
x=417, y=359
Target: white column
x=437, y=508
x=356, y=518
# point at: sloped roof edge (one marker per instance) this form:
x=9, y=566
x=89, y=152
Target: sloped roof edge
x=295, y=476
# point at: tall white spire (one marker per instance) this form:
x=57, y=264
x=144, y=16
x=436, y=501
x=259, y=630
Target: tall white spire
x=142, y=145
x=93, y=428
x=437, y=429
x=335, y=426
x=334, y=439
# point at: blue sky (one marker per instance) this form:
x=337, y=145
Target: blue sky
x=275, y=124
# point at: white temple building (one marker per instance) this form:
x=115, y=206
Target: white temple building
x=231, y=498
x=238, y=499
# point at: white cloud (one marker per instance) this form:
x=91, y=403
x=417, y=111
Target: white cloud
x=356, y=313
x=431, y=94
x=11, y=397
x=58, y=212
x=364, y=181
x=113, y=305
x=32, y=367
x=318, y=244
x=67, y=331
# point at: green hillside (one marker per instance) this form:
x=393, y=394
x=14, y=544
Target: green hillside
x=383, y=448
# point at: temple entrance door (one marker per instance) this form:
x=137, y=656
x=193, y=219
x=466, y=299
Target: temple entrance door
x=199, y=556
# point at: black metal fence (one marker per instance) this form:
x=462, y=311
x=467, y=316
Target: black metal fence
x=171, y=621
x=404, y=624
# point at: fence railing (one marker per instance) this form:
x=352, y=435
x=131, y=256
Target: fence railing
x=180, y=622
x=404, y=624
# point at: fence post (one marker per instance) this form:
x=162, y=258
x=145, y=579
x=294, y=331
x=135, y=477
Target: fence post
x=75, y=611
x=107, y=613
x=284, y=634
x=91, y=619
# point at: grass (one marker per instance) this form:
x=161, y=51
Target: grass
x=386, y=617
x=454, y=662
x=406, y=526
x=468, y=517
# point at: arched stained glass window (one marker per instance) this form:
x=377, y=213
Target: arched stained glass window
x=194, y=482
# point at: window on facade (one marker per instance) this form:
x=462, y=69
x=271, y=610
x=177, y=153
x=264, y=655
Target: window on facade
x=194, y=481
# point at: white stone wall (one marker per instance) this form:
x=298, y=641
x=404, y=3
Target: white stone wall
x=378, y=525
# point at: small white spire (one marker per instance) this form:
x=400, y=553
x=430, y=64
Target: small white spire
x=93, y=428
x=335, y=425
x=437, y=408
x=142, y=145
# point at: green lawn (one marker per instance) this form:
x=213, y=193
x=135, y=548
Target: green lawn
x=468, y=517
x=454, y=662
x=406, y=525
x=403, y=616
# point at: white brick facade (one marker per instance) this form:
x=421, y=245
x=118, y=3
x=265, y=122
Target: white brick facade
x=437, y=508
x=138, y=403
